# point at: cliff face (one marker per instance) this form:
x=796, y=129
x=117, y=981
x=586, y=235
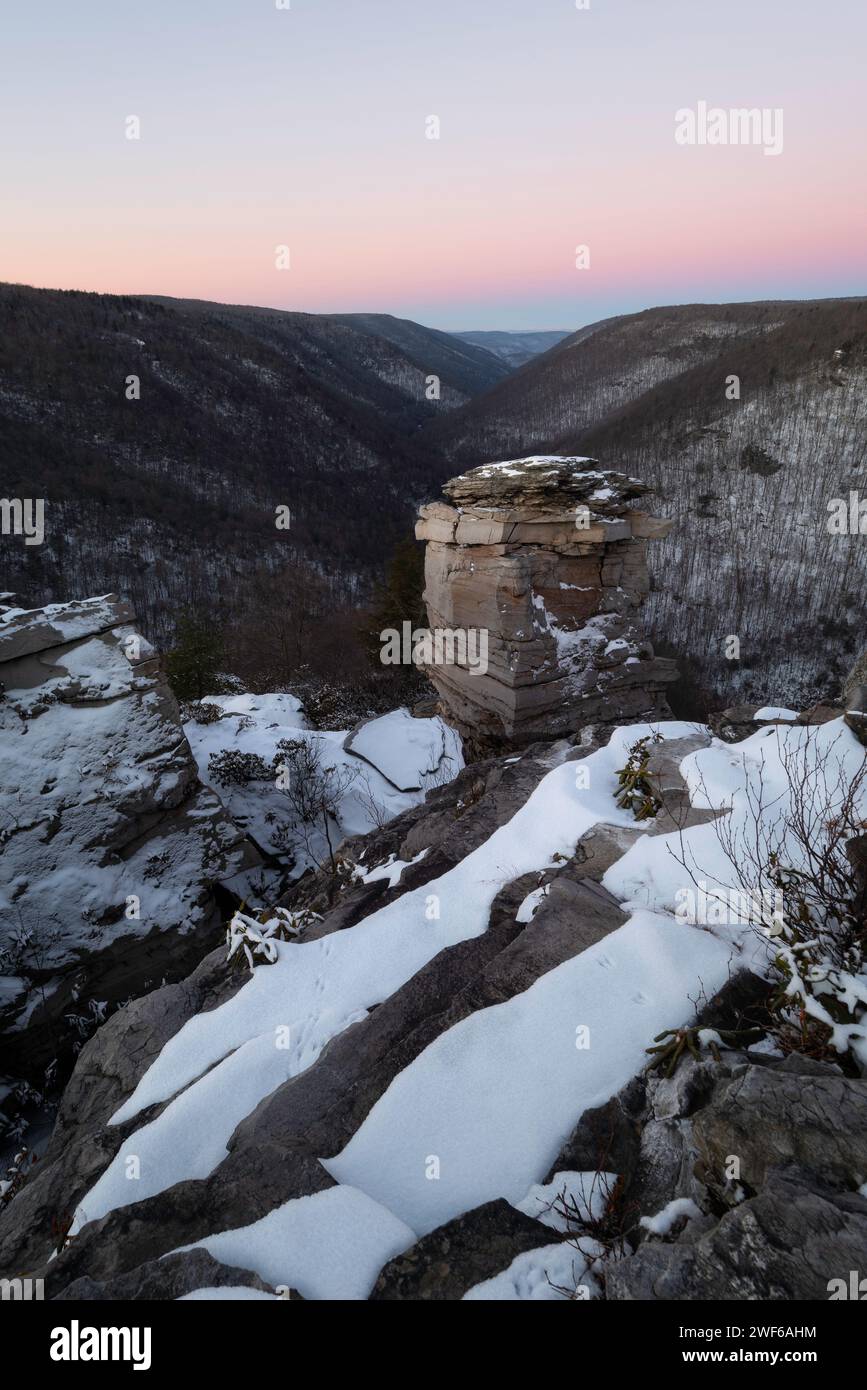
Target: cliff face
x=109, y=844
x=542, y=561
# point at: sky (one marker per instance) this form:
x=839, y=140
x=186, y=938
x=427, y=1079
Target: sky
x=308, y=127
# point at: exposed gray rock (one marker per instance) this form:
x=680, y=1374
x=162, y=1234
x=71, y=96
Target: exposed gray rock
x=453, y=821
x=83, y=1143
x=144, y=1231
x=738, y=722
x=111, y=846
x=855, y=699
x=788, y=1114
x=788, y=1242
x=603, y=845
x=606, y=1138
x=273, y=1154
x=173, y=1277
x=667, y=1154
x=821, y=713
x=789, y=1221
x=545, y=481
x=452, y=1259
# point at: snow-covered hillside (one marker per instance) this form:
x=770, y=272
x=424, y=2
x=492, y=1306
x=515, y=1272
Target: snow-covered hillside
x=330, y=1114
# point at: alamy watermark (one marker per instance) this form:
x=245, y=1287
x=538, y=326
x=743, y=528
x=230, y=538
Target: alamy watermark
x=439, y=646
x=706, y=906
x=22, y=1290
x=734, y=125
x=23, y=516
x=847, y=516
x=854, y=1288
x=77, y=1343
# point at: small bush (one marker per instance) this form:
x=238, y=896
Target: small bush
x=231, y=767
x=797, y=865
x=636, y=791
x=201, y=712
x=254, y=942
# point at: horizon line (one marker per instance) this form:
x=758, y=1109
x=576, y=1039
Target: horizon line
x=380, y=313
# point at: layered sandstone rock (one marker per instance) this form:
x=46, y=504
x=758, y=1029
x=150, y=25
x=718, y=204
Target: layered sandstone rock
x=546, y=556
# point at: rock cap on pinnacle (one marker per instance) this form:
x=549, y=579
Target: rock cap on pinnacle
x=543, y=481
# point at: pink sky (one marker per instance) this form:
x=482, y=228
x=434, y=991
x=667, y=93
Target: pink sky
x=306, y=127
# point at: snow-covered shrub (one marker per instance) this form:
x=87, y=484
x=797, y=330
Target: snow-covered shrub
x=636, y=792
x=314, y=791
x=232, y=767
x=28, y=950
x=201, y=712
x=822, y=954
x=790, y=856
x=227, y=684
x=256, y=942
x=85, y=1025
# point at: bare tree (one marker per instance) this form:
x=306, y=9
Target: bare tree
x=314, y=791
x=788, y=856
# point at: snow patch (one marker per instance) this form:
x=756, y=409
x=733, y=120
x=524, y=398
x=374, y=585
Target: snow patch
x=543, y=1274
x=331, y=1245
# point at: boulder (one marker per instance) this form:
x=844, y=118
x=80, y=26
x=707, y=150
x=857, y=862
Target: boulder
x=789, y=1242
x=790, y=1223
x=801, y=1112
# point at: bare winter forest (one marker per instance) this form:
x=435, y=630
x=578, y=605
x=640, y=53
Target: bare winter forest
x=748, y=419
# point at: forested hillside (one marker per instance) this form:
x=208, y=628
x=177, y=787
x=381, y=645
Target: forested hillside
x=748, y=469
x=163, y=435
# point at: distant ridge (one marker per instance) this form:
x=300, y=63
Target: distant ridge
x=515, y=348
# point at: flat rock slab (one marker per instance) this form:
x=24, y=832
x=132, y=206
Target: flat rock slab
x=407, y=751
x=24, y=632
